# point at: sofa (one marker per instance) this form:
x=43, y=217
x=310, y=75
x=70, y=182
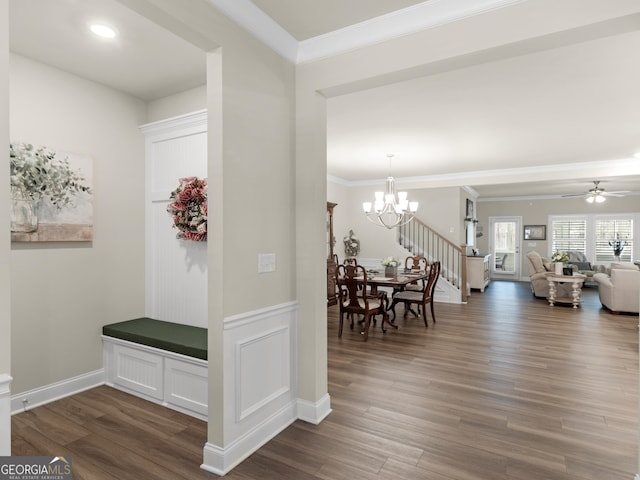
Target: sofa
x=580, y=264
x=619, y=288
x=539, y=267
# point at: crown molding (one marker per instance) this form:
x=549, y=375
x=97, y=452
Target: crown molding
x=619, y=167
x=402, y=22
x=260, y=25
x=425, y=15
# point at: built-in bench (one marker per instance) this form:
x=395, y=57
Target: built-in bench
x=164, y=362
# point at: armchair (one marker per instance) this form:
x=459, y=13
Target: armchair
x=620, y=289
x=539, y=267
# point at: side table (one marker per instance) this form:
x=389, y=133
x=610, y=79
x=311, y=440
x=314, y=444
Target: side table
x=576, y=288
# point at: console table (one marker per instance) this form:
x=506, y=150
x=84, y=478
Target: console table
x=576, y=288
x=478, y=271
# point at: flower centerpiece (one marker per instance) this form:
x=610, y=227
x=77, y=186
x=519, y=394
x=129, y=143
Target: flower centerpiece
x=390, y=266
x=188, y=208
x=36, y=174
x=559, y=258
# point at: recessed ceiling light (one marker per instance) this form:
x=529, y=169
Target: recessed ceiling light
x=103, y=30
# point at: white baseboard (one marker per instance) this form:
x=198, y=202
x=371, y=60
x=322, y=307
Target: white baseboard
x=221, y=460
x=55, y=391
x=5, y=414
x=314, y=412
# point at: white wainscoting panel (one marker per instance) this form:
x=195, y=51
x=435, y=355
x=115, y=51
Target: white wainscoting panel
x=263, y=370
x=176, y=270
x=171, y=379
x=5, y=415
x=187, y=386
x=260, y=390
x=137, y=370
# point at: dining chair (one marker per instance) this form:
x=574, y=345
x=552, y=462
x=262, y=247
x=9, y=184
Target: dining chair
x=353, y=302
x=418, y=263
x=423, y=298
x=500, y=263
x=415, y=263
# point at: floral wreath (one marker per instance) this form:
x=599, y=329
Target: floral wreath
x=189, y=210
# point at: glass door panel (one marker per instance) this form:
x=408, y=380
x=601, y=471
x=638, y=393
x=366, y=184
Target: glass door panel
x=505, y=247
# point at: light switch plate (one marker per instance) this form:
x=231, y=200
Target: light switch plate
x=266, y=262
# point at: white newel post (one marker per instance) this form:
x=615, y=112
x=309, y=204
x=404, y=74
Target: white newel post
x=5, y=414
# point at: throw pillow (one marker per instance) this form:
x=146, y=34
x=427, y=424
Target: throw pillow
x=582, y=265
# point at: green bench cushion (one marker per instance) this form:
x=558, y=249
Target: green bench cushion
x=173, y=337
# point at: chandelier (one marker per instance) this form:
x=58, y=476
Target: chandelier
x=387, y=210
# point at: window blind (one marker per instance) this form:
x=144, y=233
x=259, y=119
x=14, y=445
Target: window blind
x=613, y=229
x=569, y=234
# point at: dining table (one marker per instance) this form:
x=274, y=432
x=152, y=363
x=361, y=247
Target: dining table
x=398, y=282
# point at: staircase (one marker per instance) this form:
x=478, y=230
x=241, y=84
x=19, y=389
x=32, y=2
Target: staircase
x=420, y=239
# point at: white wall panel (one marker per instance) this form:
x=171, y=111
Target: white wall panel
x=261, y=350
x=263, y=370
x=176, y=270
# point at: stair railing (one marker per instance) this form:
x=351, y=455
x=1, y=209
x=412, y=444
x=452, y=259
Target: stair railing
x=420, y=239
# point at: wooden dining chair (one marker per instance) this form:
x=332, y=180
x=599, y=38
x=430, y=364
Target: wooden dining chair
x=352, y=301
x=417, y=263
x=408, y=297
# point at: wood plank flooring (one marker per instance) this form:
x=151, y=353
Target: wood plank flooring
x=503, y=388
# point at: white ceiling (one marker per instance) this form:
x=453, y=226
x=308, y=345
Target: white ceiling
x=572, y=110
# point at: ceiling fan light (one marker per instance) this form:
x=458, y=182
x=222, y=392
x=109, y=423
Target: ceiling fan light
x=590, y=199
x=599, y=199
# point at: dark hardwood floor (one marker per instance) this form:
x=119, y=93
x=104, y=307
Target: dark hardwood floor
x=503, y=388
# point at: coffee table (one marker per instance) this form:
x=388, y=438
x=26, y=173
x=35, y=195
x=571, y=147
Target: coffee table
x=576, y=281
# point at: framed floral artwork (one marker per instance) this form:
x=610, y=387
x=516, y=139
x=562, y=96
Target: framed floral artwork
x=51, y=195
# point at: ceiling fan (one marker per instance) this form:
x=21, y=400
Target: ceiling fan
x=597, y=194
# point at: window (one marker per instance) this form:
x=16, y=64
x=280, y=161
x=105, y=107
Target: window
x=569, y=234
x=591, y=234
x=610, y=229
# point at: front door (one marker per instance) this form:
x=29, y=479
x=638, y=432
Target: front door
x=504, y=246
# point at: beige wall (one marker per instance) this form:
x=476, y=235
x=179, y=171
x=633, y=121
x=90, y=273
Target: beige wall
x=440, y=208
x=63, y=293
x=181, y=103
x=5, y=302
